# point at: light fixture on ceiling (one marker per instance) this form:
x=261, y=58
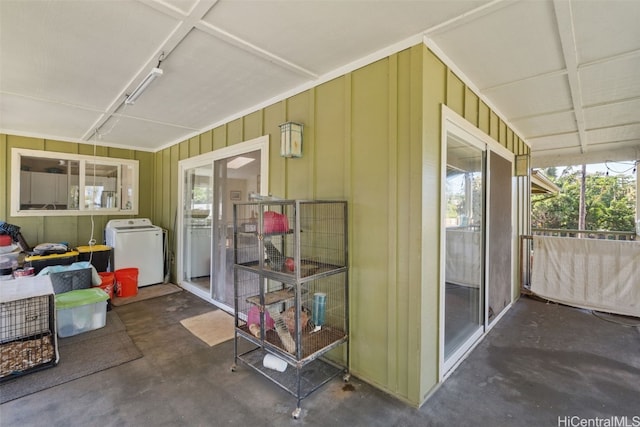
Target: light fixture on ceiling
x=291, y=139
x=144, y=84
x=238, y=162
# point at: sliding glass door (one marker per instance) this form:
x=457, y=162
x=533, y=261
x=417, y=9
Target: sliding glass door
x=476, y=270
x=236, y=178
x=464, y=247
x=211, y=184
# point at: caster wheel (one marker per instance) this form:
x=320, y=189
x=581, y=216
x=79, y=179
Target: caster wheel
x=296, y=413
x=346, y=378
x=233, y=368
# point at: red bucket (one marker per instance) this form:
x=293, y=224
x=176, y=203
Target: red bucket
x=127, y=282
x=108, y=282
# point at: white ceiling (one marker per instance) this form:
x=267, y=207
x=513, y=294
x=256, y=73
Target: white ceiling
x=564, y=74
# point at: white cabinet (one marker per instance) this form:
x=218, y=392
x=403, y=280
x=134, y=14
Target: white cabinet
x=48, y=188
x=62, y=190
x=25, y=188
x=40, y=188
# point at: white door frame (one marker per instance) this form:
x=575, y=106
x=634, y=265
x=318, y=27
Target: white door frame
x=453, y=123
x=261, y=143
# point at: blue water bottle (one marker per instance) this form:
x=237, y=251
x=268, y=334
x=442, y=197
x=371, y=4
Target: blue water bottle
x=319, y=308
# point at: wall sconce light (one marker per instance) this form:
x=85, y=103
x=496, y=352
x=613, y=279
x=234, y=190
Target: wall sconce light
x=291, y=139
x=522, y=165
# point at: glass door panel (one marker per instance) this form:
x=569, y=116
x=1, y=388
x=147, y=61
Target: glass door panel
x=211, y=184
x=198, y=203
x=236, y=178
x=464, y=247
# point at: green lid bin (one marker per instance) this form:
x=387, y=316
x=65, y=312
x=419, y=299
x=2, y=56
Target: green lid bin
x=80, y=297
x=80, y=311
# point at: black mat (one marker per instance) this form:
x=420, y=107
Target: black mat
x=80, y=355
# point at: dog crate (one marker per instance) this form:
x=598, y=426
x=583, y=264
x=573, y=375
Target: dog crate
x=291, y=292
x=24, y=318
x=27, y=326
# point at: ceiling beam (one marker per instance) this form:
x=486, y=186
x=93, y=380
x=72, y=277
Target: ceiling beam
x=227, y=37
x=195, y=20
x=616, y=57
x=185, y=25
x=615, y=151
x=564, y=18
x=467, y=17
x=525, y=79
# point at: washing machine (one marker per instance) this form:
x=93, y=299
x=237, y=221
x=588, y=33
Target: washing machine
x=137, y=243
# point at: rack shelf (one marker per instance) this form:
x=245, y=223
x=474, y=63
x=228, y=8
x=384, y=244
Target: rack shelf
x=273, y=297
x=312, y=343
x=291, y=290
x=307, y=268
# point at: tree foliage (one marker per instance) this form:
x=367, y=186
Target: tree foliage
x=610, y=202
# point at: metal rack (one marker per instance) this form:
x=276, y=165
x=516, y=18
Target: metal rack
x=291, y=292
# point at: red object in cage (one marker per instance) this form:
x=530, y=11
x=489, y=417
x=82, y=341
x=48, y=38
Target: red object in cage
x=275, y=223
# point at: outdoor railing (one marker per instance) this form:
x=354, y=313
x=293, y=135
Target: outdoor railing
x=590, y=234
x=526, y=246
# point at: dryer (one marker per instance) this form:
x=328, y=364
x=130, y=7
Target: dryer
x=137, y=243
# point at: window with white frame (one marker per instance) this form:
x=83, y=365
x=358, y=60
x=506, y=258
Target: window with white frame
x=49, y=183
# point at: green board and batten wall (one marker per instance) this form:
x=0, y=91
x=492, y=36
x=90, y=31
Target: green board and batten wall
x=372, y=137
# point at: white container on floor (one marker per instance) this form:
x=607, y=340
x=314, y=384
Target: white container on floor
x=272, y=362
x=81, y=311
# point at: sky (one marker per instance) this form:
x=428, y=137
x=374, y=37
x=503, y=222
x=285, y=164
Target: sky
x=614, y=168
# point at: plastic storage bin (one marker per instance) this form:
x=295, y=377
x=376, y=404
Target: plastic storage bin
x=71, y=280
x=5, y=240
x=99, y=256
x=38, y=262
x=81, y=311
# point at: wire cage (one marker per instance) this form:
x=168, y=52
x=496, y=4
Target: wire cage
x=297, y=324
x=291, y=289
x=300, y=239
x=27, y=336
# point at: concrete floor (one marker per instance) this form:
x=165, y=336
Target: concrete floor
x=541, y=362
